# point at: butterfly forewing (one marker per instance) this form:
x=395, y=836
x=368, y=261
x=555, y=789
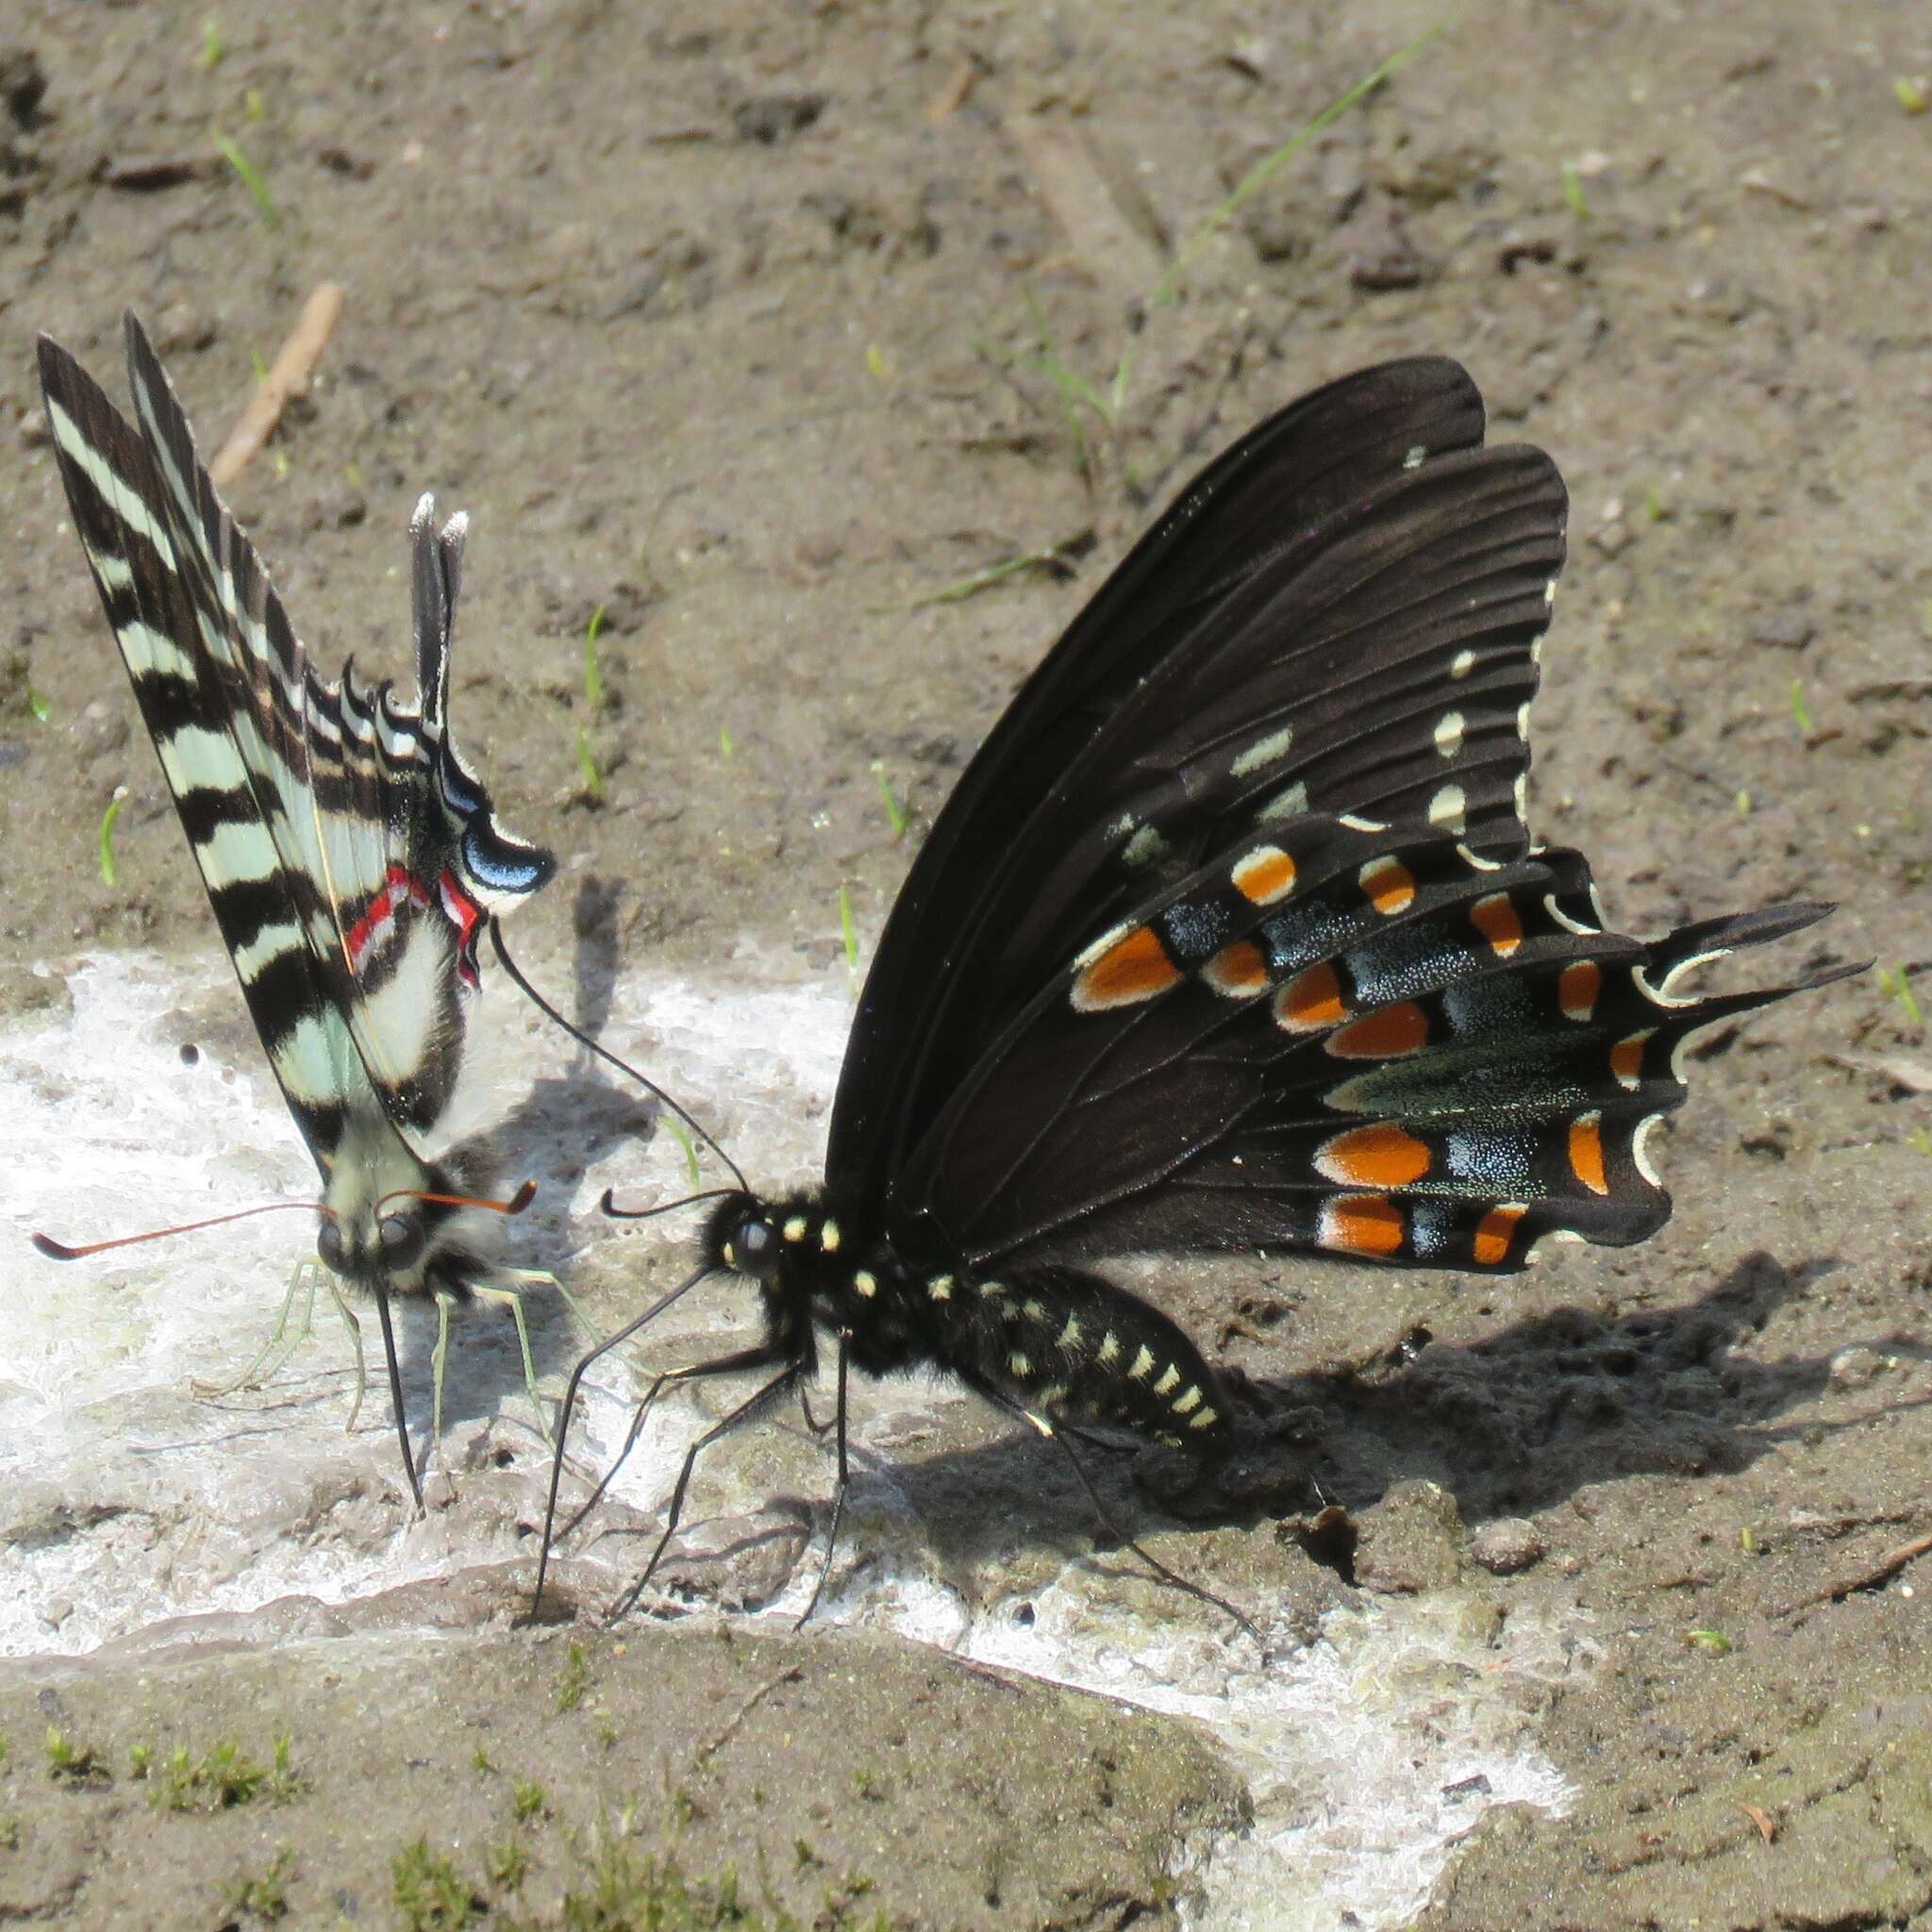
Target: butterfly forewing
x=1340, y=615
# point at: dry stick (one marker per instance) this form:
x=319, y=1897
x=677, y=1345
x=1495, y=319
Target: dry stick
x=1887, y=1566
x=788, y=1676
x=288, y=376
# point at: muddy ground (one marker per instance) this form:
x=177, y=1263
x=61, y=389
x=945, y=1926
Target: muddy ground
x=717, y=318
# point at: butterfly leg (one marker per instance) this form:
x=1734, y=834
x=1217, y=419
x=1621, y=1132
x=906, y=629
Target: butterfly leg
x=512, y=1298
x=748, y=1410
x=439, y=1361
x=273, y=1347
x=354, y=1325
x=1000, y=1399
x=818, y=1589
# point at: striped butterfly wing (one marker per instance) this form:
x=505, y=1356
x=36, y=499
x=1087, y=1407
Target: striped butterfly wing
x=1340, y=615
x=338, y=868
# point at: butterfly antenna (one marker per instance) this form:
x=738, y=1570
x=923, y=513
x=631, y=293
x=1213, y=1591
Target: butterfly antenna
x=604, y=1053
x=62, y=1251
x=608, y=1204
x=515, y=1205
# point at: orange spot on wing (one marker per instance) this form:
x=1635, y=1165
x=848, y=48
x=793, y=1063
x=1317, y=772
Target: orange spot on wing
x=1587, y=1152
x=1310, y=1001
x=1135, y=967
x=1383, y=1156
x=1389, y=883
x=1237, y=970
x=1361, y=1224
x=1383, y=1034
x=1627, y=1057
x=1493, y=1232
x=1499, y=923
x=1578, y=988
x=1264, y=875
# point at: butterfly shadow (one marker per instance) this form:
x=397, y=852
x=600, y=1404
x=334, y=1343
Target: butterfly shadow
x=1529, y=1416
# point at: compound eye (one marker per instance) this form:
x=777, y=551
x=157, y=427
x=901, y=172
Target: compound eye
x=402, y=1238
x=755, y=1239
x=328, y=1246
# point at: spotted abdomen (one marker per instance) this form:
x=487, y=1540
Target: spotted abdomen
x=1068, y=1347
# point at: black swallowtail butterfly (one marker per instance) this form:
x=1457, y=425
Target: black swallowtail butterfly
x=350, y=855
x=1233, y=937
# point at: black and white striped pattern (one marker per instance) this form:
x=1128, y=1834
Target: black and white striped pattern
x=349, y=854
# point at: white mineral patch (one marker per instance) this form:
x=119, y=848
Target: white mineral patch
x=130, y=1499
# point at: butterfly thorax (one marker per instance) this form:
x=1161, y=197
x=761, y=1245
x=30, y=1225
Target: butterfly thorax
x=1059, y=1345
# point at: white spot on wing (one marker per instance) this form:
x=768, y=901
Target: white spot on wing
x=1448, y=806
x=1449, y=733
x=1264, y=750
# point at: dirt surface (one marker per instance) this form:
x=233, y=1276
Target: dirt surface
x=709, y=316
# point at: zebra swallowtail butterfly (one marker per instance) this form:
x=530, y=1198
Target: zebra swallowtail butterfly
x=350, y=855
x=1232, y=938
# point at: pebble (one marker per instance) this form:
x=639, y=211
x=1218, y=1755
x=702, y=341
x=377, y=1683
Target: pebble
x=1785, y=629
x=1508, y=1544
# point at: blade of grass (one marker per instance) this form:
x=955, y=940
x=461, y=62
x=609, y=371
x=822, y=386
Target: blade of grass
x=847, y=931
x=211, y=45
x=231, y=153
x=594, y=674
x=587, y=764
x=106, y=840
x=37, y=703
x=895, y=811
x=1801, y=711
x=726, y=743
x=682, y=1136
x=1050, y=557
x=1897, y=982
x=1572, y=191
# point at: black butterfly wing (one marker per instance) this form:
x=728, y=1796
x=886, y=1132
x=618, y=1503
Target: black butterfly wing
x=1349, y=1039
x=1341, y=613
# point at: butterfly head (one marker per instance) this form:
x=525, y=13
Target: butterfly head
x=391, y=1219
x=744, y=1237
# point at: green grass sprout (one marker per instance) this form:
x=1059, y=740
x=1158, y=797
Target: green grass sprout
x=847, y=930
x=231, y=153
x=1711, y=1642
x=1921, y=1139
x=681, y=1134
x=726, y=743
x=254, y=106
x=875, y=363
x=1655, y=509
x=106, y=839
x=1743, y=800
x=1897, y=982
x=587, y=764
x=259, y=366
x=896, y=815
x=1911, y=90
x=212, y=47
x=1801, y=711
x=594, y=670
x=1050, y=557
x=574, y=1678
x=37, y=703
x=1572, y=191
x=428, y=1893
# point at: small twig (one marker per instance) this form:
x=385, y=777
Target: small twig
x=790, y=1675
x=1884, y=1568
x=289, y=375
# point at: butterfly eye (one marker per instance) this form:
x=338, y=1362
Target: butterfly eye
x=328, y=1246
x=402, y=1238
x=757, y=1248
